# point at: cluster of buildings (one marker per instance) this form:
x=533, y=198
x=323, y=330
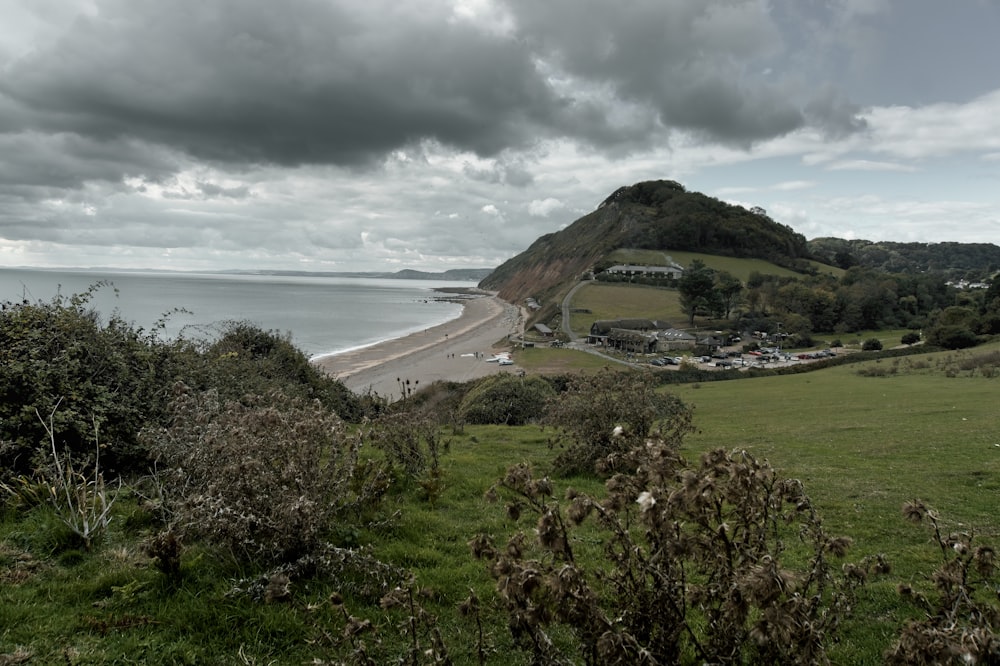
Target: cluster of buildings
x=646, y=336
x=672, y=271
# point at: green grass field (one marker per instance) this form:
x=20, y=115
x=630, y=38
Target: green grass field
x=741, y=268
x=863, y=438
x=622, y=301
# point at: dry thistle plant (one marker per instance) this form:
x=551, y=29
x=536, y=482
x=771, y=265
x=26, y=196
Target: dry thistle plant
x=692, y=565
x=270, y=477
x=599, y=417
x=413, y=445
x=960, y=625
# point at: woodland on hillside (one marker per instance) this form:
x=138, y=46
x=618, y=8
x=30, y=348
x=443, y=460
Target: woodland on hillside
x=971, y=261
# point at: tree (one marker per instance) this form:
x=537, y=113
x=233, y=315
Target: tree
x=729, y=289
x=951, y=336
x=871, y=344
x=696, y=287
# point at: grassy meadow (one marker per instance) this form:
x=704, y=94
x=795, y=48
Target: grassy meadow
x=863, y=438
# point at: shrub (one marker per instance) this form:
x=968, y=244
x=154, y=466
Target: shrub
x=505, y=399
x=246, y=359
x=910, y=338
x=961, y=624
x=413, y=447
x=952, y=337
x=609, y=413
x=871, y=344
x=269, y=477
x=692, y=570
x=108, y=374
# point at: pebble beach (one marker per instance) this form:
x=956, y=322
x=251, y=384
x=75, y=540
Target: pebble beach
x=454, y=351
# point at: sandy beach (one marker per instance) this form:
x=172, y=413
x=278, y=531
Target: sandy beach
x=455, y=351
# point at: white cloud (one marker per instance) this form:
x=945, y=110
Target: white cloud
x=791, y=185
x=545, y=207
x=868, y=165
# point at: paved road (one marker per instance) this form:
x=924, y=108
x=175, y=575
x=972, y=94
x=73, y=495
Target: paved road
x=575, y=341
x=565, y=311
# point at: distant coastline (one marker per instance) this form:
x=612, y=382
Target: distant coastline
x=451, y=275
x=320, y=314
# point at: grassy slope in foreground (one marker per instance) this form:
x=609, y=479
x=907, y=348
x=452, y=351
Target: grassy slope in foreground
x=863, y=445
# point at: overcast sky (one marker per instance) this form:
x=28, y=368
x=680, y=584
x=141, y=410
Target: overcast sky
x=435, y=134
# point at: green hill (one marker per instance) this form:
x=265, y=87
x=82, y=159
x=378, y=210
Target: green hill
x=653, y=215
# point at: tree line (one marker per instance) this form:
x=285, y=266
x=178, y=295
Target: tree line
x=862, y=299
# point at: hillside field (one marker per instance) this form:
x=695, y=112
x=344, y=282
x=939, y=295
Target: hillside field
x=737, y=266
x=863, y=438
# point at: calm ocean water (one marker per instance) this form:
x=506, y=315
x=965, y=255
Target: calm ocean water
x=323, y=315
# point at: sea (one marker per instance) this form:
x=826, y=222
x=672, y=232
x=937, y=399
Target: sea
x=322, y=315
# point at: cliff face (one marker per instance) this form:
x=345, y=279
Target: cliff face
x=556, y=259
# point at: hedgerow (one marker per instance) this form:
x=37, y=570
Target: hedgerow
x=112, y=376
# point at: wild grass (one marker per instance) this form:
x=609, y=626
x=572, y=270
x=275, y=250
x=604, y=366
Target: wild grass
x=551, y=361
x=861, y=444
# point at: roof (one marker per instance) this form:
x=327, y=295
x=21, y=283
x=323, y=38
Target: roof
x=636, y=268
x=675, y=334
x=604, y=325
x=630, y=335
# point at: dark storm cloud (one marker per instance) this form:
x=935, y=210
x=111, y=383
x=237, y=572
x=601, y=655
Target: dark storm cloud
x=67, y=160
x=698, y=65
x=288, y=83
x=309, y=82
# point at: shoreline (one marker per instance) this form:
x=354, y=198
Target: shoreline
x=453, y=351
